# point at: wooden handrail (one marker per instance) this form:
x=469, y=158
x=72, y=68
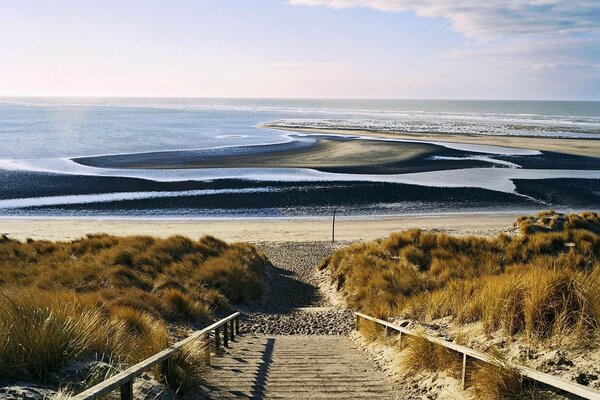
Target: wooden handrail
x=547, y=379
x=124, y=379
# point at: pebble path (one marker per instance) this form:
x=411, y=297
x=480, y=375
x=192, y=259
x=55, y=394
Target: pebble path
x=294, y=305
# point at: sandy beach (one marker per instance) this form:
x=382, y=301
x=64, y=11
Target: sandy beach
x=580, y=147
x=257, y=230
x=326, y=154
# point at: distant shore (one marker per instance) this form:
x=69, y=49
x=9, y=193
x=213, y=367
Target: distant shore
x=257, y=230
x=581, y=147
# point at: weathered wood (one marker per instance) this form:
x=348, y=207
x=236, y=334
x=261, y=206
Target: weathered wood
x=136, y=370
x=464, y=372
x=127, y=390
x=237, y=326
x=547, y=379
x=333, y=228
x=166, y=369
x=207, y=354
x=217, y=340
x=225, y=335
x=231, y=331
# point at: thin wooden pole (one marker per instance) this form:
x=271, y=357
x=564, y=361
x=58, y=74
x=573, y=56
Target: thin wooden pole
x=207, y=353
x=225, y=335
x=217, y=340
x=333, y=228
x=237, y=325
x=166, y=369
x=232, y=331
x=127, y=390
x=464, y=371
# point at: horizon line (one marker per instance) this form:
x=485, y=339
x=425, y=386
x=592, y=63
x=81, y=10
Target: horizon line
x=4, y=96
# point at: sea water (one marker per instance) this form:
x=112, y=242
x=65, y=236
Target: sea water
x=43, y=135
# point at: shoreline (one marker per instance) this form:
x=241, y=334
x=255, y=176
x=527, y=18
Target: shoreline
x=580, y=147
x=258, y=230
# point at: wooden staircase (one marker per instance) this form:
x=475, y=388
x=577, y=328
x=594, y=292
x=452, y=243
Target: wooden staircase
x=294, y=367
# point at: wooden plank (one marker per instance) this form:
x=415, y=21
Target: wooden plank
x=121, y=378
x=562, y=384
x=547, y=379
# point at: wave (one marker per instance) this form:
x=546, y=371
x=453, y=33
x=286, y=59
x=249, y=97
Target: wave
x=440, y=127
x=591, y=121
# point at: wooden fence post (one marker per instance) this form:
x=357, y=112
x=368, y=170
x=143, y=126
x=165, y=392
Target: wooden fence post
x=166, y=368
x=464, y=371
x=237, y=325
x=333, y=228
x=217, y=341
x=231, y=331
x=127, y=390
x=207, y=353
x=225, y=335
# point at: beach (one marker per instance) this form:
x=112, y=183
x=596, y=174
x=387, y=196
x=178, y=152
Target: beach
x=210, y=158
x=257, y=230
x=580, y=147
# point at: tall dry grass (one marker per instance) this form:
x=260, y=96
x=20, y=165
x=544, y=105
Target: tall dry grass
x=543, y=283
x=112, y=297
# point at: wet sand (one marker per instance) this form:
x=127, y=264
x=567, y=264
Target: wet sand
x=581, y=147
x=257, y=230
x=326, y=154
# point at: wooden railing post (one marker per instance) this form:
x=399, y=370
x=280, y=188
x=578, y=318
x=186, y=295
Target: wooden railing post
x=231, y=331
x=217, y=341
x=464, y=371
x=127, y=390
x=357, y=321
x=123, y=381
x=207, y=353
x=166, y=369
x=237, y=325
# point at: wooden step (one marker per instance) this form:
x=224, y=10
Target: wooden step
x=294, y=367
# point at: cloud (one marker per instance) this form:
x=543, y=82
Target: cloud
x=519, y=48
x=492, y=19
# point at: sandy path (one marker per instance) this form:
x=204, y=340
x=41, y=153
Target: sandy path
x=294, y=304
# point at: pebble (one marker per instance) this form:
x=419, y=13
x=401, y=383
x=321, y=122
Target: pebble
x=292, y=283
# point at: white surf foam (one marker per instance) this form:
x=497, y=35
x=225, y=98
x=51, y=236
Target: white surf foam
x=112, y=197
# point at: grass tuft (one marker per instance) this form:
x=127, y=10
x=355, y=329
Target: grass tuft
x=111, y=297
x=542, y=283
x=497, y=381
x=420, y=354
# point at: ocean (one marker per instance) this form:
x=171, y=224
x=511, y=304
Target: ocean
x=42, y=139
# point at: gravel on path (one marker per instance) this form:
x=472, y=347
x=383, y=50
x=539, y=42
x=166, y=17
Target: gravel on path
x=293, y=283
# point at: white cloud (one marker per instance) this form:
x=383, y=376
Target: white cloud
x=491, y=19
x=521, y=48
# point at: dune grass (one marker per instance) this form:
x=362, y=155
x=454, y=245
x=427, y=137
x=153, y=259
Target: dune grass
x=541, y=285
x=113, y=297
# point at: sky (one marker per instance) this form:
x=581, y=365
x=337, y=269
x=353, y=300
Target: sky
x=439, y=49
